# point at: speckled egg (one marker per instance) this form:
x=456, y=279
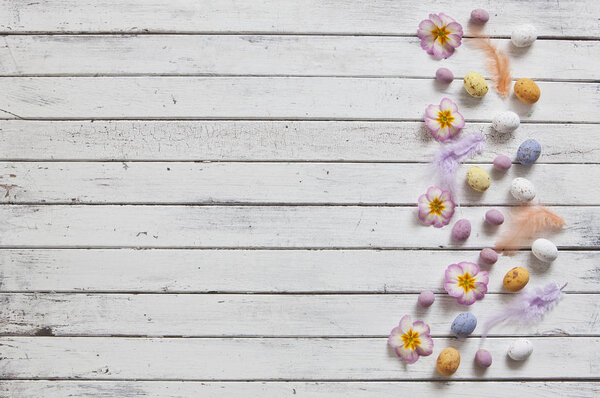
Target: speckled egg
x=488, y=256
x=502, y=163
x=506, y=122
x=520, y=349
x=478, y=179
x=522, y=189
x=475, y=85
x=494, y=217
x=544, y=250
x=448, y=361
x=444, y=75
x=515, y=279
x=461, y=230
x=463, y=324
x=523, y=36
x=483, y=358
x=479, y=16
x=426, y=298
x=527, y=91
x=529, y=151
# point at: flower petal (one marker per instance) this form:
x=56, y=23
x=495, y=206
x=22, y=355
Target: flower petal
x=459, y=120
x=471, y=268
x=480, y=290
x=442, y=50
x=436, y=20
x=482, y=277
x=434, y=192
x=395, y=339
x=435, y=220
x=426, y=347
x=421, y=327
x=433, y=125
x=407, y=355
x=426, y=26
x=432, y=111
x=446, y=20
x=455, y=29
x=453, y=289
x=453, y=272
x=442, y=134
x=468, y=298
x=447, y=105
x=405, y=323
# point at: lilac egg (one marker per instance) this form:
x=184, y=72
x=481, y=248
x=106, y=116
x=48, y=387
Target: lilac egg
x=426, y=298
x=488, y=256
x=461, y=230
x=444, y=75
x=502, y=162
x=494, y=217
x=479, y=16
x=483, y=358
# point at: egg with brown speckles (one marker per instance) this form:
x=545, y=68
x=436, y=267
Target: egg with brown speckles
x=522, y=189
x=478, y=179
x=448, y=361
x=527, y=91
x=515, y=279
x=475, y=85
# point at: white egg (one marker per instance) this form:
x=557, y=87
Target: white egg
x=520, y=349
x=544, y=250
x=523, y=36
x=506, y=122
x=522, y=189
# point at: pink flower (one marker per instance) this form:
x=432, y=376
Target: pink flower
x=411, y=340
x=444, y=120
x=436, y=207
x=466, y=282
x=440, y=35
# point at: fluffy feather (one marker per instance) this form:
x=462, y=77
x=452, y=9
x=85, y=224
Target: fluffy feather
x=528, y=307
x=497, y=64
x=447, y=159
x=527, y=222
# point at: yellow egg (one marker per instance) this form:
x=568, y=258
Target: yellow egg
x=448, y=361
x=515, y=279
x=478, y=179
x=527, y=91
x=475, y=84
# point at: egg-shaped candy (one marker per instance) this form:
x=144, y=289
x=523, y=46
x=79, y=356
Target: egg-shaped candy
x=426, y=298
x=448, y=361
x=544, y=250
x=515, y=279
x=506, y=122
x=488, y=256
x=475, y=85
x=483, y=358
x=523, y=36
x=520, y=349
x=494, y=217
x=502, y=163
x=527, y=91
x=444, y=75
x=479, y=16
x=529, y=151
x=463, y=324
x=461, y=230
x=478, y=179
x=522, y=189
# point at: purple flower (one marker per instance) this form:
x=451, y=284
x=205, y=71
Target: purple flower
x=440, y=35
x=436, y=207
x=411, y=340
x=444, y=120
x=466, y=282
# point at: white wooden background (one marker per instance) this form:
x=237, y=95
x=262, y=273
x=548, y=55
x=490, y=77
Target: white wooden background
x=217, y=198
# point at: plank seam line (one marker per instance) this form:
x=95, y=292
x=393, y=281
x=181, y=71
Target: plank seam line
x=265, y=204
x=263, y=380
x=280, y=248
x=249, y=292
x=254, y=161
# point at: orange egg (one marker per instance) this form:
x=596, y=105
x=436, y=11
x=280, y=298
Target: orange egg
x=527, y=91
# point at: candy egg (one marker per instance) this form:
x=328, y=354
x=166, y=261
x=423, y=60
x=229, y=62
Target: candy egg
x=523, y=36
x=475, y=85
x=528, y=152
x=461, y=230
x=488, y=256
x=522, y=189
x=544, y=250
x=527, y=91
x=463, y=324
x=479, y=16
x=478, y=179
x=448, y=361
x=483, y=358
x=502, y=163
x=520, y=349
x=515, y=279
x=506, y=122
x=494, y=217
x=444, y=75
x=426, y=298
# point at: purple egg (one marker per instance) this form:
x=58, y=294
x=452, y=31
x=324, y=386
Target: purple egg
x=488, y=256
x=480, y=16
x=426, y=298
x=483, y=358
x=494, y=217
x=461, y=230
x=444, y=75
x=502, y=162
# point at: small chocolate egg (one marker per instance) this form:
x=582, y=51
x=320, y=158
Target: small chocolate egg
x=461, y=230
x=529, y=151
x=488, y=256
x=522, y=189
x=494, y=217
x=448, y=361
x=483, y=358
x=426, y=298
x=475, y=85
x=515, y=279
x=520, y=349
x=478, y=179
x=444, y=75
x=506, y=122
x=544, y=250
x=463, y=324
x=523, y=36
x=502, y=163
x=527, y=91
x=479, y=16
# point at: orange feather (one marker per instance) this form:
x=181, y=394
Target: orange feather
x=498, y=65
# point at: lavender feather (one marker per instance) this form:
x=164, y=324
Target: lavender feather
x=447, y=159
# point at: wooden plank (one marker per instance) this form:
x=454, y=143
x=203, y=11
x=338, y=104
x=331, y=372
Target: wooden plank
x=275, y=98
x=309, y=183
x=280, y=359
x=234, y=271
x=241, y=315
x=258, y=226
x=279, y=55
x=273, y=140
x=310, y=16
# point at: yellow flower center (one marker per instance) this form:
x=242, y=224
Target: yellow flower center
x=445, y=118
x=436, y=206
x=466, y=281
x=440, y=34
x=411, y=340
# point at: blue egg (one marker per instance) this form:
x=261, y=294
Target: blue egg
x=464, y=324
x=529, y=152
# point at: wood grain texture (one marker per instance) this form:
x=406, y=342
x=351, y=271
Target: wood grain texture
x=275, y=98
